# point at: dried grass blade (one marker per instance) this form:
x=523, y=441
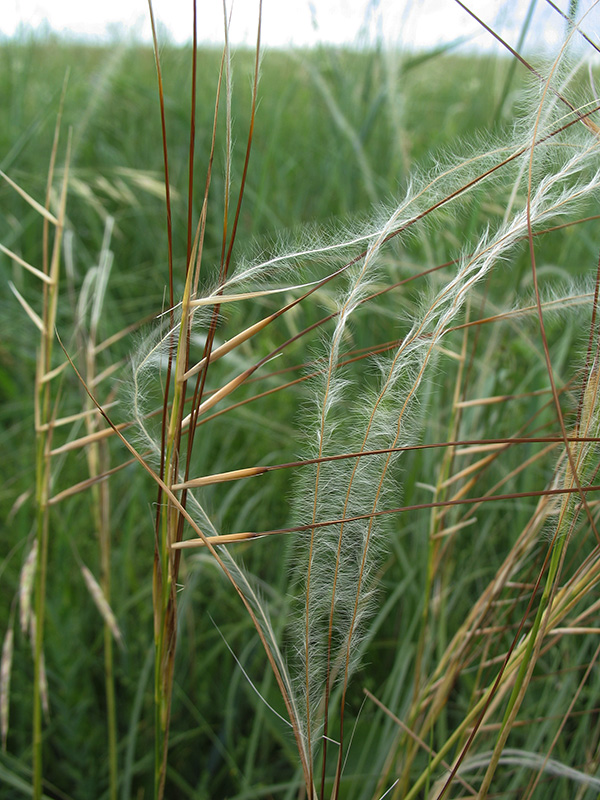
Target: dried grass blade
x=476, y=467
x=454, y=528
x=83, y=441
x=482, y=448
x=501, y=398
x=73, y=417
x=34, y=270
x=33, y=316
x=29, y=199
x=53, y=373
x=219, y=299
x=102, y=376
x=116, y=337
x=87, y=483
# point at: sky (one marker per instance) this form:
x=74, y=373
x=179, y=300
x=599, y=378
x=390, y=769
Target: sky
x=408, y=23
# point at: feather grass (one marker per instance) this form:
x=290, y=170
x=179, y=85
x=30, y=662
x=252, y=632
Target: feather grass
x=363, y=341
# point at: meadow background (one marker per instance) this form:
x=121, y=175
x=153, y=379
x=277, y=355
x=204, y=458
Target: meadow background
x=338, y=133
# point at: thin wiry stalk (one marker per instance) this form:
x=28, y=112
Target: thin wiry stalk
x=98, y=464
x=44, y=415
x=209, y=354
x=163, y=588
x=170, y=519
x=269, y=646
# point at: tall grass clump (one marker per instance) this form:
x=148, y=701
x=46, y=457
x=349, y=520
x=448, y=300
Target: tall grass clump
x=312, y=512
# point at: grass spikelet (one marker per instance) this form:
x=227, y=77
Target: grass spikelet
x=44, y=693
x=42, y=678
x=101, y=604
x=26, y=587
x=5, y=673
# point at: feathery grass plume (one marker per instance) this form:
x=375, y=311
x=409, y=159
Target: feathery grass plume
x=149, y=362
x=548, y=197
x=340, y=558
x=318, y=255
x=514, y=757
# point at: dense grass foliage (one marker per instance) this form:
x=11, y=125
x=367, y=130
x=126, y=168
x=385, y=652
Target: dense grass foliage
x=340, y=137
